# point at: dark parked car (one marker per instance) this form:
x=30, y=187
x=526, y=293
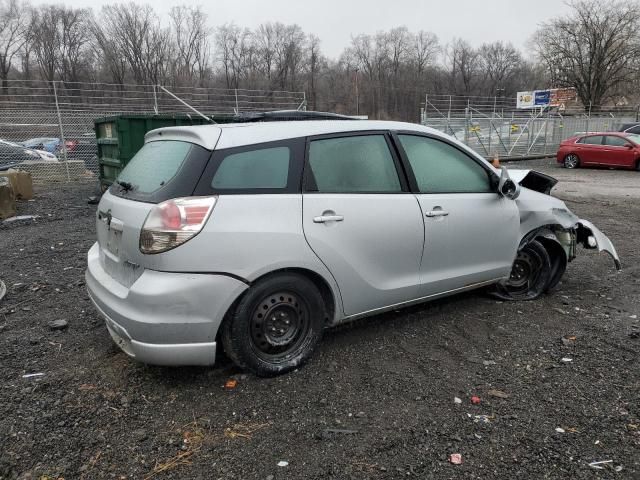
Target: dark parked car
x=630, y=128
x=11, y=156
x=609, y=149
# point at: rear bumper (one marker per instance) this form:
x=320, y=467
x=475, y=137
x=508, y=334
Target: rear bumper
x=163, y=318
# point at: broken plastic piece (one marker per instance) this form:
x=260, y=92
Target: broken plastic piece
x=475, y=400
x=455, y=458
x=283, y=463
x=230, y=384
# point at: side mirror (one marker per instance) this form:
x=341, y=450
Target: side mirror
x=507, y=187
x=628, y=145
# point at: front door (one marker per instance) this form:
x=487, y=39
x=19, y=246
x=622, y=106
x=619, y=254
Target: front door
x=590, y=150
x=471, y=232
x=618, y=152
x=361, y=221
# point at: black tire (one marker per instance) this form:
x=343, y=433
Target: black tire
x=638, y=165
x=531, y=275
x=571, y=161
x=275, y=326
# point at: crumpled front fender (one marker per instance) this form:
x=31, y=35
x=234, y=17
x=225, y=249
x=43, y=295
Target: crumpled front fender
x=603, y=244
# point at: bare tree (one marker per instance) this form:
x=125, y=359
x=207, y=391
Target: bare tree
x=464, y=63
x=191, y=38
x=424, y=51
x=233, y=45
x=499, y=64
x=14, y=23
x=596, y=48
x=138, y=37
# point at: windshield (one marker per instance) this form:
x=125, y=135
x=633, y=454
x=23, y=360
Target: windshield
x=634, y=138
x=161, y=170
x=154, y=165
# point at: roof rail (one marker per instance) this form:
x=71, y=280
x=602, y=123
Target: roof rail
x=285, y=115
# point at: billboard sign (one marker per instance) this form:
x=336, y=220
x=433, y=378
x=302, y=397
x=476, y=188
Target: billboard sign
x=525, y=100
x=554, y=97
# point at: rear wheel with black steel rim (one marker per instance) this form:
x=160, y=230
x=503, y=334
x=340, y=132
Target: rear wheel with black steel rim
x=530, y=276
x=571, y=161
x=276, y=325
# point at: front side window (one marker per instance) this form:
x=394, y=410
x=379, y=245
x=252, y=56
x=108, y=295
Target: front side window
x=614, y=141
x=441, y=168
x=354, y=164
x=593, y=140
x=265, y=168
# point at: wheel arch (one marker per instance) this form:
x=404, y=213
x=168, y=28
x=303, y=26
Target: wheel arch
x=328, y=291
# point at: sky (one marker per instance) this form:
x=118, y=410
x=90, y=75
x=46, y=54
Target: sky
x=336, y=21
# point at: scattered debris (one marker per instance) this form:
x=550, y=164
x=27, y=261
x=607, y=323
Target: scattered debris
x=3, y=290
x=58, y=325
x=560, y=430
x=20, y=218
x=598, y=465
x=457, y=400
x=93, y=200
x=619, y=468
x=498, y=393
x=475, y=400
x=566, y=360
x=455, y=459
x=230, y=384
x=568, y=340
x=192, y=439
x=283, y=463
x=31, y=375
x=481, y=418
x=243, y=431
x=486, y=363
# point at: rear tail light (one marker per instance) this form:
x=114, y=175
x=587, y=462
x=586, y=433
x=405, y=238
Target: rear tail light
x=173, y=222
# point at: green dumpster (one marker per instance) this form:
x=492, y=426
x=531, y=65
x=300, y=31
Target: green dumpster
x=120, y=137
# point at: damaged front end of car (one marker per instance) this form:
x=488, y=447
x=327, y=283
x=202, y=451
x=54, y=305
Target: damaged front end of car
x=550, y=235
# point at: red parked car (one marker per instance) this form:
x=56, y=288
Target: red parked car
x=609, y=149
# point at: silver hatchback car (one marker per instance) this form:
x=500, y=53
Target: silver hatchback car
x=258, y=236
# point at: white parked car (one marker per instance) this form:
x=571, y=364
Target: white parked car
x=258, y=236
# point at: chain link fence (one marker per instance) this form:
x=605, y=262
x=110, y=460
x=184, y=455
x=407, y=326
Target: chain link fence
x=493, y=126
x=46, y=128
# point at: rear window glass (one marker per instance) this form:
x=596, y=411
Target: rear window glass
x=596, y=140
x=155, y=164
x=264, y=168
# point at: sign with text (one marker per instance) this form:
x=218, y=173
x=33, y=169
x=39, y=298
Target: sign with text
x=553, y=97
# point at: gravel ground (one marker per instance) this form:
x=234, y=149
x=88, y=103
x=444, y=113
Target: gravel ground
x=377, y=399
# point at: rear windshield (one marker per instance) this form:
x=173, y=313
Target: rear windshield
x=161, y=170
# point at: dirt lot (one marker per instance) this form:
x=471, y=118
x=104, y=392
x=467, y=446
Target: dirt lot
x=376, y=401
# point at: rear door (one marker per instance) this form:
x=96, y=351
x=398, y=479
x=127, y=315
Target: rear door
x=471, y=232
x=618, y=152
x=361, y=221
x=591, y=151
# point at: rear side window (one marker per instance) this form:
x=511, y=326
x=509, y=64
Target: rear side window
x=614, y=141
x=353, y=164
x=266, y=168
x=594, y=140
x=634, y=130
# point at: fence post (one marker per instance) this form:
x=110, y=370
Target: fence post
x=546, y=125
x=155, y=100
x=62, y=141
x=466, y=120
x=588, y=118
x=237, y=108
x=426, y=105
x=493, y=114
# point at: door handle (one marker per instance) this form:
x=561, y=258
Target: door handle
x=328, y=218
x=436, y=213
